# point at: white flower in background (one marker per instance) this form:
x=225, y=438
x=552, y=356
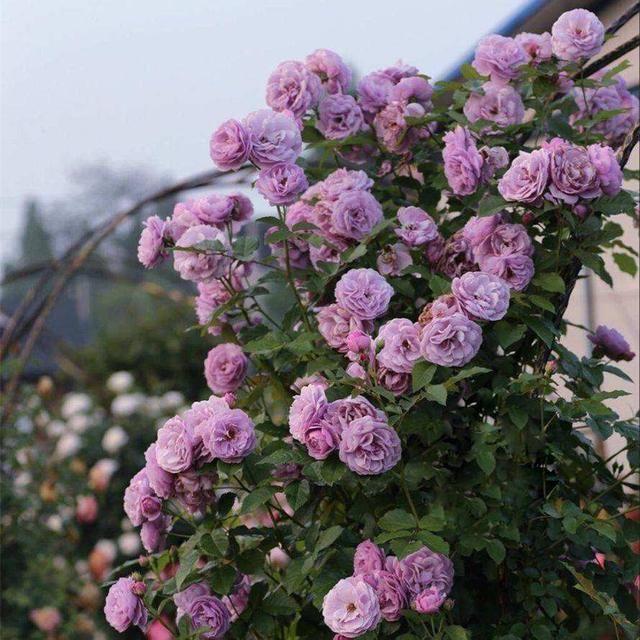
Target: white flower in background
x=119, y=382
x=24, y=424
x=23, y=455
x=129, y=543
x=125, y=524
x=21, y=482
x=114, y=439
x=153, y=406
x=59, y=563
x=79, y=423
x=75, y=403
x=66, y=512
x=101, y=473
x=68, y=445
x=55, y=428
x=54, y=523
x=107, y=548
x=127, y=404
x=42, y=418
x=172, y=400
x=82, y=568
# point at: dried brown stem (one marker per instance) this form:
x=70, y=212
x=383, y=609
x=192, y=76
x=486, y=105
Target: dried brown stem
x=610, y=57
x=616, y=25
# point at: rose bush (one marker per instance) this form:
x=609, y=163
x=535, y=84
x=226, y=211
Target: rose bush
x=403, y=453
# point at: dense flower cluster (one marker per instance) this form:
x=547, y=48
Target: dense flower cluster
x=382, y=586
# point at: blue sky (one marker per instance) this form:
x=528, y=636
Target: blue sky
x=145, y=82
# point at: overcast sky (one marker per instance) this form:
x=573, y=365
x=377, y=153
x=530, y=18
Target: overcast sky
x=145, y=82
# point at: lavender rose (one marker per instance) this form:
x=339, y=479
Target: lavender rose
x=339, y=116
x=373, y=92
x=275, y=138
x=238, y=600
x=576, y=35
x=527, y=178
x=230, y=435
x=209, y=611
x=195, y=490
x=424, y=569
x=573, y=175
x=443, y=306
x=607, y=167
x=478, y=228
x=199, y=267
x=341, y=413
x=307, y=409
x=482, y=296
x=225, y=367
x=320, y=439
x=429, y=601
x=151, y=249
x=505, y=240
x=457, y=256
x=153, y=533
x=355, y=214
x=281, y=183
x=462, y=161
x=369, y=446
x=391, y=592
x=230, y=146
x=123, y=608
x=183, y=599
x=451, y=341
x=336, y=323
x=536, y=46
x=401, y=347
x=328, y=66
x=140, y=502
x=610, y=343
x=174, y=446
x=499, y=57
x=351, y=608
x=364, y=293
x=395, y=381
x=368, y=557
x=341, y=180
x=416, y=226
x=515, y=269
x=292, y=87
x=499, y=103
x=394, y=259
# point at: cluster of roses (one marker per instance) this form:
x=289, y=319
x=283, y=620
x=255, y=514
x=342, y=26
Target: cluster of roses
x=353, y=426
x=124, y=606
x=562, y=172
x=381, y=587
x=575, y=36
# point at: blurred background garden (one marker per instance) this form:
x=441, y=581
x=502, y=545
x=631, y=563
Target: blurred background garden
x=102, y=105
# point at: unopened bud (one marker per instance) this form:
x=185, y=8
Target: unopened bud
x=230, y=399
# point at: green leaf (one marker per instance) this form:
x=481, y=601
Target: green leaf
x=222, y=578
x=215, y=543
x=269, y=343
x=279, y=604
x=434, y=542
x=397, y=519
x=490, y=205
x=328, y=537
x=550, y=282
x=456, y=632
x=485, y=459
x=467, y=373
x=257, y=498
x=437, y=393
x=187, y=563
x=508, y=333
x=298, y=493
x=496, y=550
x=422, y=374
x=626, y=263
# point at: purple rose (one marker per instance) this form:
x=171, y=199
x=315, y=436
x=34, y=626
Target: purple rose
x=336, y=323
x=424, y=569
x=328, y=66
x=351, y=608
x=457, y=256
x=339, y=116
x=275, y=138
x=593, y=100
x=160, y=481
x=401, y=345
x=364, y=292
x=416, y=226
x=140, y=502
x=229, y=435
x=434, y=250
x=399, y=71
x=607, y=167
x=392, y=130
x=151, y=249
x=394, y=259
x=307, y=409
x=195, y=490
x=429, y=601
x=477, y=229
x=196, y=419
x=442, y=307
x=482, y=296
x=499, y=57
x=576, y=35
x=355, y=214
x=413, y=89
x=281, y=183
x=369, y=446
x=123, y=608
x=500, y=103
x=292, y=87
x=341, y=180
x=343, y=412
x=506, y=239
x=327, y=253
x=369, y=557
x=515, y=269
x=153, y=533
x=211, y=295
x=395, y=381
x=225, y=367
x=183, y=599
x=373, y=92
x=527, y=178
x=536, y=46
x=209, y=611
x=215, y=209
x=391, y=592
x=573, y=175
x=230, y=146
x=174, y=446
x=238, y=600
x=462, y=161
x=200, y=267
x=610, y=343
x=320, y=439
x=451, y=341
